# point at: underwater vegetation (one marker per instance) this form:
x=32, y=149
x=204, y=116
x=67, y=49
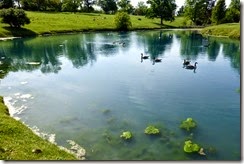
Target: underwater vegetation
x=188, y=124
x=190, y=147
x=151, y=130
x=126, y=135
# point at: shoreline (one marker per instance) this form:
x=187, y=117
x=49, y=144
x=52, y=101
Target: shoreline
x=9, y=38
x=102, y=30
x=14, y=145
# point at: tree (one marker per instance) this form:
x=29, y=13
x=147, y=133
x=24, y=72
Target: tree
x=70, y=5
x=218, y=13
x=180, y=12
x=108, y=5
x=164, y=9
x=125, y=6
x=199, y=11
x=233, y=12
x=34, y=5
x=14, y=17
x=141, y=9
x=88, y=5
x=122, y=20
x=53, y=5
x=6, y=4
x=17, y=2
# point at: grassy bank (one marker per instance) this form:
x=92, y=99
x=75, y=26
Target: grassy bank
x=55, y=22
x=18, y=142
x=51, y=23
x=231, y=30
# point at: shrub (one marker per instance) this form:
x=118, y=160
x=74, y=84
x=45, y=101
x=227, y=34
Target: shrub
x=122, y=21
x=14, y=17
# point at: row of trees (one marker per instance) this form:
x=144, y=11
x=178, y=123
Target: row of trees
x=108, y=6
x=202, y=12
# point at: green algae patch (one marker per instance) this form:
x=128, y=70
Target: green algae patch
x=126, y=135
x=152, y=130
x=190, y=147
x=188, y=124
x=18, y=142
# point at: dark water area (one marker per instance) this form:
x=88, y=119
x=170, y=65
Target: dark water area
x=91, y=87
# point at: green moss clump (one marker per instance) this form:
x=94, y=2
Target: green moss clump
x=126, y=135
x=188, y=124
x=190, y=147
x=151, y=130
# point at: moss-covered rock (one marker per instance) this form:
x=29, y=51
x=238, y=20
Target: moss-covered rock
x=190, y=147
x=126, y=135
x=188, y=124
x=151, y=130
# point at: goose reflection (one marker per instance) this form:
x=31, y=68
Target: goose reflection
x=144, y=57
x=156, y=60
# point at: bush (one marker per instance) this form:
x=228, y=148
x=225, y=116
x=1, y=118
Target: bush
x=122, y=21
x=14, y=17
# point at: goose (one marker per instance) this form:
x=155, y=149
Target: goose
x=191, y=66
x=144, y=57
x=186, y=62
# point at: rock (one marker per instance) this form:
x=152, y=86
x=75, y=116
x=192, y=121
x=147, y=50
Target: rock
x=201, y=152
x=2, y=150
x=36, y=151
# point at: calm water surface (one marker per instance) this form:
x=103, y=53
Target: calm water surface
x=89, y=88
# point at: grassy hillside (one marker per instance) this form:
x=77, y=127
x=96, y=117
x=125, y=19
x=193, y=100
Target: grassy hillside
x=54, y=22
x=231, y=30
x=18, y=141
x=51, y=23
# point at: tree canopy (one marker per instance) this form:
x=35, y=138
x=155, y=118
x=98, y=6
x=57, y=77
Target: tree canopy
x=233, y=12
x=125, y=6
x=14, y=17
x=164, y=9
x=108, y=6
x=218, y=13
x=199, y=11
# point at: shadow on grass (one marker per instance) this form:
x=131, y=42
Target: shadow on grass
x=164, y=25
x=90, y=14
x=20, y=32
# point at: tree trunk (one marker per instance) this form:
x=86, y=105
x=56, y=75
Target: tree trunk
x=161, y=19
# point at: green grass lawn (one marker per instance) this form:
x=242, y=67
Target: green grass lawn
x=52, y=22
x=231, y=30
x=66, y=22
x=18, y=141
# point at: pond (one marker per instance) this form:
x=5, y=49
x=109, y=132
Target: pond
x=91, y=87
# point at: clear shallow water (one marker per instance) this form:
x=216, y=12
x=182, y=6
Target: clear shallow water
x=90, y=88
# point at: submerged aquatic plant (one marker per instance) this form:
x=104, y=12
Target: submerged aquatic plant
x=126, y=135
x=188, y=124
x=190, y=147
x=151, y=130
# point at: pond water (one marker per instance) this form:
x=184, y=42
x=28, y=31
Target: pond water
x=91, y=87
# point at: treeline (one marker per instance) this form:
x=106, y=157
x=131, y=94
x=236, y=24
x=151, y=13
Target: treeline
x=198, y=12
x=203, y=12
